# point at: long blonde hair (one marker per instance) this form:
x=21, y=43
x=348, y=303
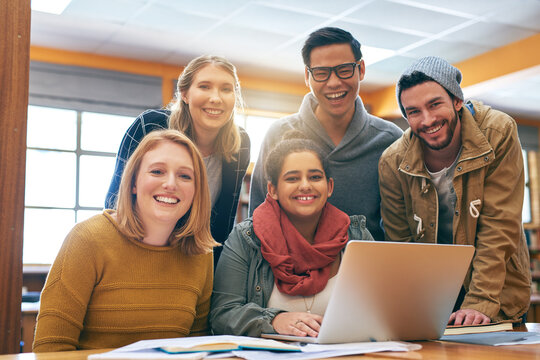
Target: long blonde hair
x=192, y=232
x=228, y=140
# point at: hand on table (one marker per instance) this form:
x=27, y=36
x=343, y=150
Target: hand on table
x=297, y=324
x=468, y=317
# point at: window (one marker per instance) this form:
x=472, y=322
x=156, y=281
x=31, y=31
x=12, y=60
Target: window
x=69, y=163
x=256, y=127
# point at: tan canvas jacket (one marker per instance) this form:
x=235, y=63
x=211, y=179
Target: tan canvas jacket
x=489, y=185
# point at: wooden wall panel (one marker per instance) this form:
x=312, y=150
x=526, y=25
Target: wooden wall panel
x=14, y=65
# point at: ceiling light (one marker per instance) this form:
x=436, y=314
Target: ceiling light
x=50, y=6
x=371, y=55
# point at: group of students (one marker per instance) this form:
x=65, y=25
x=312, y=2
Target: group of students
x=144, y=268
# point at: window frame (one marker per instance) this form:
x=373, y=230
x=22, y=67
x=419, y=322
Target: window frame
x=78, y=152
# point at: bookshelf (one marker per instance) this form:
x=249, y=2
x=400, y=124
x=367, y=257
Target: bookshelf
x=534, y=310
x=532, y=232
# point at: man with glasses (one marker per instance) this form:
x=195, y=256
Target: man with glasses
x=333, y=116
x=456, y=176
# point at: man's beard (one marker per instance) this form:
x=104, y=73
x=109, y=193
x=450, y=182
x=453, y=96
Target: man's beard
x=451, y=128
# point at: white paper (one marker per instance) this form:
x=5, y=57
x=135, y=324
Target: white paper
x=364, y=346
x=147, y=349
x=498, y=338
x=535, y=339
x=318, y=351
x=146, y=354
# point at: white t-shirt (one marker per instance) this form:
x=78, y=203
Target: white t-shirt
x=316, y=304
x=447, y=201
x=214, y=169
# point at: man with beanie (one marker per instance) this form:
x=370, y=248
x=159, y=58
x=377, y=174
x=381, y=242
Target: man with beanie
x=334, y=117
x=456, y=176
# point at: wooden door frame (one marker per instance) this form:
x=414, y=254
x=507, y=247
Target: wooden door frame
x=14, y=70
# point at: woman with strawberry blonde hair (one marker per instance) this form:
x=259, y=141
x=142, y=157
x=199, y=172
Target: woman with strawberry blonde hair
x=143, y=271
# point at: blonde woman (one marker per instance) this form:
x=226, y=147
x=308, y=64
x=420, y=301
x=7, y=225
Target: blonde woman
x=208, y=92
x=142, y=271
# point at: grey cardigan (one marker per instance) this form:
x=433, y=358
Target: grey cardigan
x=244, y=281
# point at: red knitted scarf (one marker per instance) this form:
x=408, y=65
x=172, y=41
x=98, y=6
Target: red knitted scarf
x=299, y=267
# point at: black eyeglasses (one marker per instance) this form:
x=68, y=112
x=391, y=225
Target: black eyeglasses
x=343, y=71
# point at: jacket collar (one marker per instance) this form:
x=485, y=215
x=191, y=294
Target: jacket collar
x=476, y=150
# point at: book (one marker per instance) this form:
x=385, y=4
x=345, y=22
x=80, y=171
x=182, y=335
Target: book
x=196, y=347
x=227, y=343
x=531, y=235
x=533, y=162
x=476, y=329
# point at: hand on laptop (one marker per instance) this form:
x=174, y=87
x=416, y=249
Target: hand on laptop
x=297, y=323
x=468, y=317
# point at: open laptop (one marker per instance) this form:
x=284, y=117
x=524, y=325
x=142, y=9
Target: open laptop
x=392, y=291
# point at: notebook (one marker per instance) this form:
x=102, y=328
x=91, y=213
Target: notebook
x=388, y=291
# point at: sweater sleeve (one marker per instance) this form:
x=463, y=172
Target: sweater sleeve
x=232, y=312
x=200, y=324
x=66, y=294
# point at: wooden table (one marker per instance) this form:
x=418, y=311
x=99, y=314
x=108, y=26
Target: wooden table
x=431, y=350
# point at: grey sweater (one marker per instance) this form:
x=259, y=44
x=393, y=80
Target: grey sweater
x=352, y=163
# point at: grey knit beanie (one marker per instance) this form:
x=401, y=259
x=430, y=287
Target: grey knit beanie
x=440, y=70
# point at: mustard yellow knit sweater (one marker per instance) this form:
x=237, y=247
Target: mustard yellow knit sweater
x=106, y=291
